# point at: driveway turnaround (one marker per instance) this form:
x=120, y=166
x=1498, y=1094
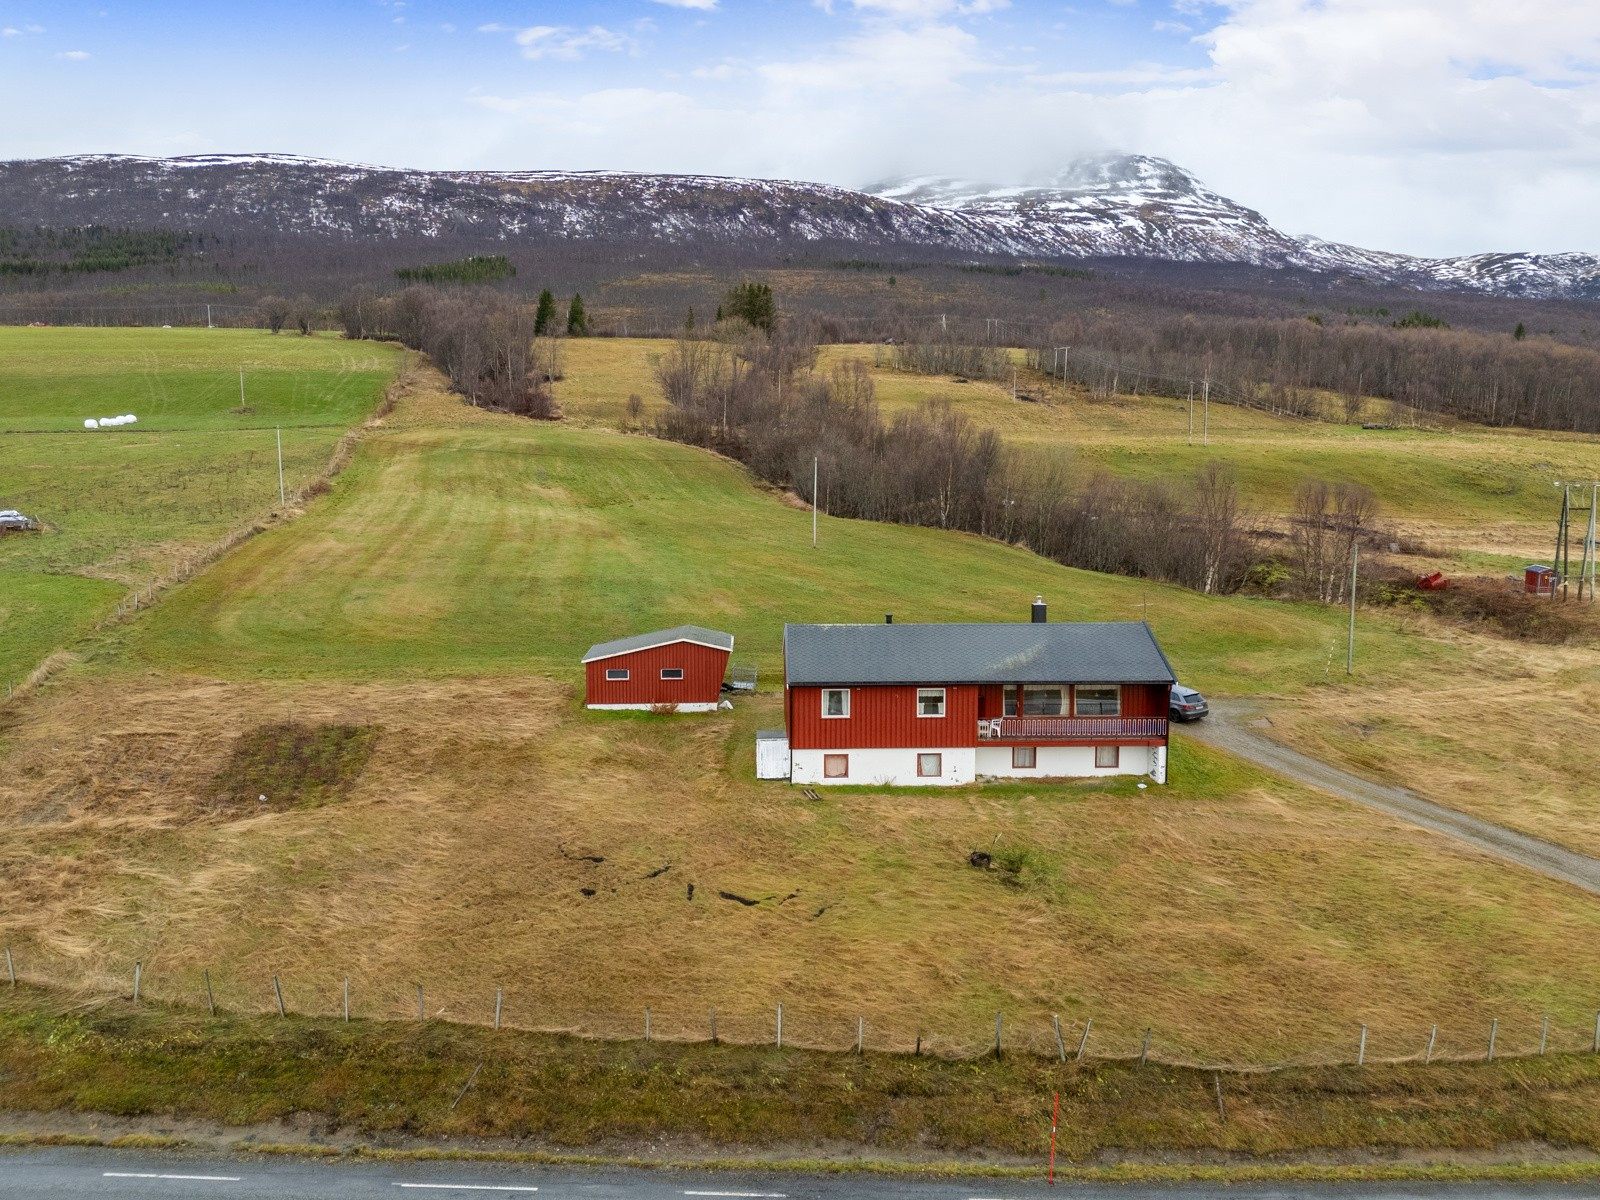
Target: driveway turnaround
x=1228, y=729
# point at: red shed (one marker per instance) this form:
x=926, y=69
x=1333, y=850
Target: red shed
x=683, y=666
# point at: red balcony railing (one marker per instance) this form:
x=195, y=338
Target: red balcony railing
x=1053, y=729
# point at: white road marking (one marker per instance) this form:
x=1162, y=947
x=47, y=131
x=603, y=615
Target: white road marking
x=744, y=1195
x=147, y=1175
x=470, y=1187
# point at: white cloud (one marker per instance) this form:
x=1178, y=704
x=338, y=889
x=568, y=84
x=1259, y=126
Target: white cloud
x=697, y=5
x=562, y=41
x=720, y=73
x=10, y=32
x=74, y=55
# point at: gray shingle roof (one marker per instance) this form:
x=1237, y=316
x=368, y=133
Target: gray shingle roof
x=662, y=637
x=1068, y=652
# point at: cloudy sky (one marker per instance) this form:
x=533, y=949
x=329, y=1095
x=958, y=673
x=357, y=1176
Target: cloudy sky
x=1428, y=126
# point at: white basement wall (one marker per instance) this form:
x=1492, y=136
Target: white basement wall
x=887, y=768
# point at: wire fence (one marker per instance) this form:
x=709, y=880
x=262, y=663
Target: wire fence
x=1085, y=1039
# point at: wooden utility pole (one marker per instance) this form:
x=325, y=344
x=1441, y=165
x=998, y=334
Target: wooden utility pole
x=1350, y=652
x=813, y=501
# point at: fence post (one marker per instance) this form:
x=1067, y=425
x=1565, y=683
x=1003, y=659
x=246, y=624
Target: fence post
x=713, y=1026
x=998, y=1018
x=211, y=1001
x=1494, y=1028
x=421, y=1014
x=647, y=1024
x=1597, y=1033
x=1144, y=1051
x=278, y=991
x=138, y=969
x=347, y=999
x=1061, y=1046
x=499, y=992
x=780, y=1026
x=11, y=970
x=1427, y=1055
x=1361, y=1054
x=1544, y=1034
x=1084, y=1041
x=861, y=1036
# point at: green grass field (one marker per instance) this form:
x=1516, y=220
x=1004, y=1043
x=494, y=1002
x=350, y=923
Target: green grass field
x=122, y=506
x=440, y=596
x=1466, y=489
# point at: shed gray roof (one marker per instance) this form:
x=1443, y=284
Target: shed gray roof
x=662, y=637
x=1070, y=652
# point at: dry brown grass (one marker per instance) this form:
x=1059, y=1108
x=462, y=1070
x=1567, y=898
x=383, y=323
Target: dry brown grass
x=1509, y=737
x=500, y=836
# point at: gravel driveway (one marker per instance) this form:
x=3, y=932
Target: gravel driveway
x=1232, y=726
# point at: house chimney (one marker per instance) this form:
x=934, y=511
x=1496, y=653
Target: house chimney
x=1038, y=610
x=888, y=618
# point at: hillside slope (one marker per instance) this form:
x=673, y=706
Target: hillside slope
x=1127, y=206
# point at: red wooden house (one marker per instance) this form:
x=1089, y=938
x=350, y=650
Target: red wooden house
x=683, y=666
x=948, y=704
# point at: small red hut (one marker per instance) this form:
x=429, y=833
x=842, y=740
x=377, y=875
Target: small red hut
x=683, y=667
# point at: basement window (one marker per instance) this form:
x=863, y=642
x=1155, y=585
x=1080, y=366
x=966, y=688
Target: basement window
x=930, y=702
x=835, y=766
x=1107, y=756
x=1098, y=700
x=1024, y=756
x=835, y=702
x=672, y=672
x=930, y=766
x=616, y=673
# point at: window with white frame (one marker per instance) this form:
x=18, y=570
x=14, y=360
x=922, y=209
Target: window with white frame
x=835, y=766
x=1107, y=756
x=672, y=672
x=836, y=702
x=930, y=702
x=1040, y=700
x=616, y=673
x=1097, y=700
x=930, y=766
x=1024, y=756
x=1009, y=707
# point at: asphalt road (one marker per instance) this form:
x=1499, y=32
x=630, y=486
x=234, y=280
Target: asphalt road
x=56, y=1174
x=1228, y=728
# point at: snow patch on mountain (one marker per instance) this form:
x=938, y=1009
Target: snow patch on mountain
x=1109, y=206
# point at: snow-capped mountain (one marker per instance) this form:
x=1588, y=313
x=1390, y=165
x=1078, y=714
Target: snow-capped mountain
x=1126, y=206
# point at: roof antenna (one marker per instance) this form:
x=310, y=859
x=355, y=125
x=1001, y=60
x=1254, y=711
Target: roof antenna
x=1039, y=610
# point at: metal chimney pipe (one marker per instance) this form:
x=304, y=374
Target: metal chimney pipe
x=888, y=618
x=1039, y=610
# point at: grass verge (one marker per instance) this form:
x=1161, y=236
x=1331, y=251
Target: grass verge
x=586, y=1102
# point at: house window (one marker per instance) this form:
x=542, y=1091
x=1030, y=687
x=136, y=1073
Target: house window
x=930, y=766
x=672, y=672
x=616, y=673
x=835, y=766
x=1097, y=700
x=1044, y=701
x=836, y=702
x=1024, y=756
x=1106, y=756
x=930, y=702
x=1010, y=706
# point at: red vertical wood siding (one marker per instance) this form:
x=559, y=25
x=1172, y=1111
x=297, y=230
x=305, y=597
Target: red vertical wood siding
x=882, y=717
x=1144, y=699
x=703, y=668
x=991, y=701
